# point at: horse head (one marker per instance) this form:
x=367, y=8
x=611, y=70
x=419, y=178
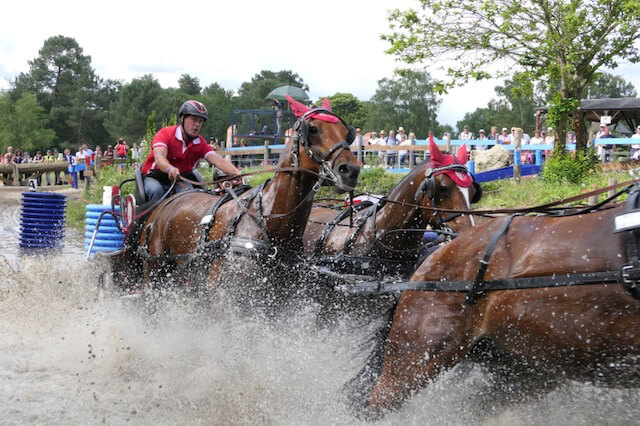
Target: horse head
x=321, y=144
x=447, y=184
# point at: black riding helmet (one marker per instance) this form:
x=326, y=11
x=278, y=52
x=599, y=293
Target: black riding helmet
x=192, y=107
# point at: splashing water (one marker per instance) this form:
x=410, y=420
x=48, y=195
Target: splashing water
x=68, y=356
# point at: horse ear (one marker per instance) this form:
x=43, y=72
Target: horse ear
x=434, y=151
x=298, y=108
x=462, y=155
x=325, y=104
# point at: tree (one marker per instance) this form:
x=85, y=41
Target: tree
x=610, y=86
x=127, y=116
x=514, y=107
x=347, y=107
x=219, y=103
x=252, y=95
x=23, y=124
x=562, y=42
x=189, y=85
x=67, y=87
x=407, y=100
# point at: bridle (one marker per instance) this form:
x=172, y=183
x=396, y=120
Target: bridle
x=301, y=128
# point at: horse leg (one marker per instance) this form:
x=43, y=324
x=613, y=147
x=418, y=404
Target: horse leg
x=431, y=332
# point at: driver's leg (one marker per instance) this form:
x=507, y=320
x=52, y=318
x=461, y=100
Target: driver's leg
x=153, y=189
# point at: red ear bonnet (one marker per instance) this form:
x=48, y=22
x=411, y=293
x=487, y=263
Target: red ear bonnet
x=438, y=159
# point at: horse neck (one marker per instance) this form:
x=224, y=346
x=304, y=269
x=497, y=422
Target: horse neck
x=398, y=213
x=288, y=193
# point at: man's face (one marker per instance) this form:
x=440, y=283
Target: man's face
x=192, y=125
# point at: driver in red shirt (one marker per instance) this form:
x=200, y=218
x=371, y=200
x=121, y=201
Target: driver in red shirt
x=176, y=150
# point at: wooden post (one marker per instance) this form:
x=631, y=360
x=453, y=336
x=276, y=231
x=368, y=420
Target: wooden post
x=612, y=192
x=266, y=152
x=517, y=167
x=447, y=139
x=16, y=175
x=412, y=154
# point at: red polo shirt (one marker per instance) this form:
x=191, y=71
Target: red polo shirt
x=180, y=154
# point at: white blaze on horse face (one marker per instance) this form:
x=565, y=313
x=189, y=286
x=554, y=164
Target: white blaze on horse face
x=465, y=192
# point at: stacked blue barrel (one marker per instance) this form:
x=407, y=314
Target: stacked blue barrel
x=43, y=219
x=109, y=238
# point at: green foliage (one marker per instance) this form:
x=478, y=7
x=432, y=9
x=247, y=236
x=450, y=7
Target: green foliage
x=514, y=107
x=377, y=180
x=253, y=94
x=565, y=167
x=533, y=191
x=408, y=100
x=563, y=43
x=23, y=124
x=189, y=85
x=347, y=107
x=559, y=110
x=608, y=85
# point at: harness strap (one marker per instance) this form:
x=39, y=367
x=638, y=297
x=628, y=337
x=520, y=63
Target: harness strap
x=331, y=225
x=549, y=281
x=479, y=285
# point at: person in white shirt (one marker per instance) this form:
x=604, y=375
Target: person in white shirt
x=504, y=138
x=536, y=139
x=358, y=141
x=635, y=148
x=465, y=135
x=405, y=154
x=401, y=135
x=373, y=139
x=391, y=156
x=482, y=137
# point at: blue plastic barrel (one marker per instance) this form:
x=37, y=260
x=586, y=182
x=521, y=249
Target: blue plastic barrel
x=42, y=220
x=109, y=238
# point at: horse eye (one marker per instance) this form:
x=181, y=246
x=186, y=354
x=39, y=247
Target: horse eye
x=313, y=130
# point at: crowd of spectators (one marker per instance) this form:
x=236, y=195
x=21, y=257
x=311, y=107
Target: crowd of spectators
x=83, y=155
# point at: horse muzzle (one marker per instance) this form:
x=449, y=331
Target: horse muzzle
x=346, y=176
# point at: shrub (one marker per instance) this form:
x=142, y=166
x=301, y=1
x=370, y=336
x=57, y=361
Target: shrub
x=566, y=167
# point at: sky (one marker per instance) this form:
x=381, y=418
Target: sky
x=333, y=45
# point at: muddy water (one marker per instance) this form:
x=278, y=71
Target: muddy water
x=69, y=356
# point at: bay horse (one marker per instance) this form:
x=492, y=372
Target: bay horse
x=551, y=331
x=386, y=230
x=187, y=234
x=385, y=238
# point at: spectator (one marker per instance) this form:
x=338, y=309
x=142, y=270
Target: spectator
x=19, y=158
x=635, y=148
x=481, y=137
x=27, y=157
x=607, y=150
x=465, y=135
x=537, y=139
x=600, y=131
x=108, y=156
x=81, y=158
x=66, y=156
x=493, y=135
x=97, y=155
x=8, y=157
x=121, y=149
x=391, y=156
x=373, y=139
x=49, y=158
x=277, y=106
x=382, y=141
x=411, y=140
x=358, y=141
x=38, y=159
x=571, y=137
x=505, y=137
x=401, y=135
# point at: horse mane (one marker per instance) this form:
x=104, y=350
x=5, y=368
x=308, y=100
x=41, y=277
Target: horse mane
x=413, y=174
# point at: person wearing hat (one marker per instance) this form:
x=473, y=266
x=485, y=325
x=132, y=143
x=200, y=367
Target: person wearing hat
x=400, y=136
x=504, y=137
x=481, y=137
x=634, y=154
x=177, y=150
x=465, y=135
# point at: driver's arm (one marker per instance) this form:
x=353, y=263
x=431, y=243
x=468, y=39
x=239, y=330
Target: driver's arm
x=160, y=157
x=220, y=162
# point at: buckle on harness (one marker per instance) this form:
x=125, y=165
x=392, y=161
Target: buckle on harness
x=630, y=274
